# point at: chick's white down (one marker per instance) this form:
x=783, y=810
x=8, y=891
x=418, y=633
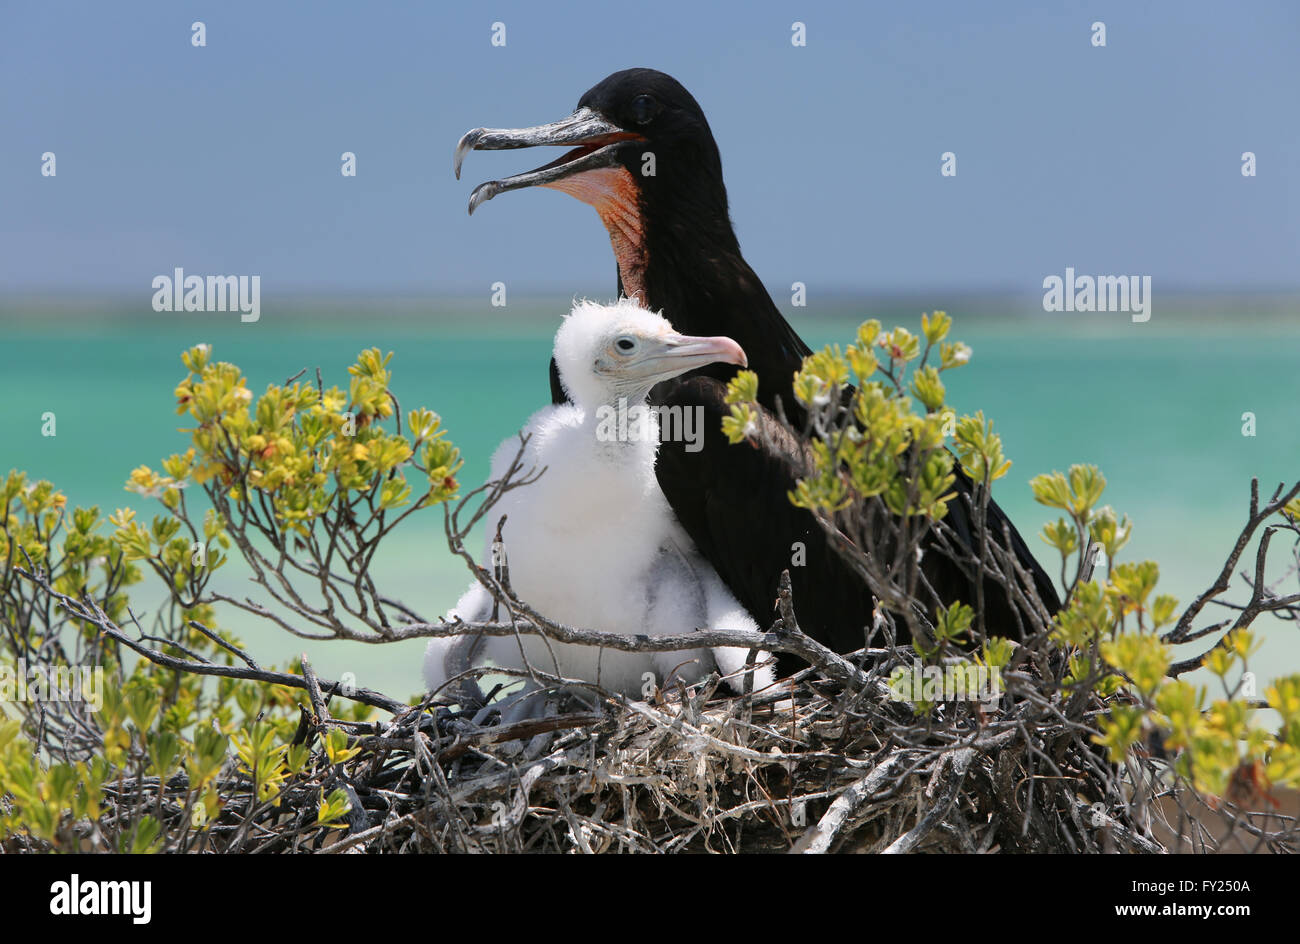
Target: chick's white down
x=593, y=543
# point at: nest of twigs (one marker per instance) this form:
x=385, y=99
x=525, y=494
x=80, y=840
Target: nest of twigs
x=811, y=765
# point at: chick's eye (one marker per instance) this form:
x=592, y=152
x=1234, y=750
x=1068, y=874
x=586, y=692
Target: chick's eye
x=625, y=345
x=643, y=109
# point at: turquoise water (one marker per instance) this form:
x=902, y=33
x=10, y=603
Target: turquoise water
x=1158, y=406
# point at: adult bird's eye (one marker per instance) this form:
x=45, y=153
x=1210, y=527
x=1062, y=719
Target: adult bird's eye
x=625, y=345
x=644, y=108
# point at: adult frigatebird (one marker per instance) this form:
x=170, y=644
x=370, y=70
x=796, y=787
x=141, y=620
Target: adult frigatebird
x=643, y=155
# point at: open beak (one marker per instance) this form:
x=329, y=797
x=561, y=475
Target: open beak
x=675, y=354
x=595, y=140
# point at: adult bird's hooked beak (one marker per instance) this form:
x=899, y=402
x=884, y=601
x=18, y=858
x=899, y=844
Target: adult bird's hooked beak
x=597, y=141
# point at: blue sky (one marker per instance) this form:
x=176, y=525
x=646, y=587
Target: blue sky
x=225, y=159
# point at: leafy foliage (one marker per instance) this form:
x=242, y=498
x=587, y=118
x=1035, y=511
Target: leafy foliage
x=299, y=461
x=870, y=444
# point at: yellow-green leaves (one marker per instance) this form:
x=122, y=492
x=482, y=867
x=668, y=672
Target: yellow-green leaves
x=441, y=463
x=868, y=331
x=825, y=490
x=1283, y=755
x=1061, y=535
x=996, y=652
x=1131, y=584
x=1214, y=744
x=142, y=840
x=932, y=488
x=900, y=346
x=823, y=374
x=9, y=731
x=874, y=444
x=141, y=700
x=1120, y=730
x=1087, y=483
x=980, y=449
x=1110, y=532
x=1163, y=610
x=45, y=799
x=863, y=362
x=1181, y=704
x=1100, y=609
x=333, y=808
x=953, y=355
x=208, y=755
x=296, y=757
x=743, y=387
x=1242, y=643
x=1077, y=494
x=1085, y=619
x=441, y=460
x=263, y=760
x=196, y=358
x=369, y=387
x=336, y=747
x=215, y=392
x=935, y=328
x=1140, y=656
x=423, y=424
x=1283, y=765
x=1218, y=743
x=860, y=356
x=145, y=736
x=30, y=513
x=951, y=626
x=1284, y=697
x=742, y=394
x=164, y=754
x=308, y=451
x=928, y=388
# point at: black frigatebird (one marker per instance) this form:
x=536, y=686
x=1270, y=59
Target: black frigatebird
x=677, y=252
